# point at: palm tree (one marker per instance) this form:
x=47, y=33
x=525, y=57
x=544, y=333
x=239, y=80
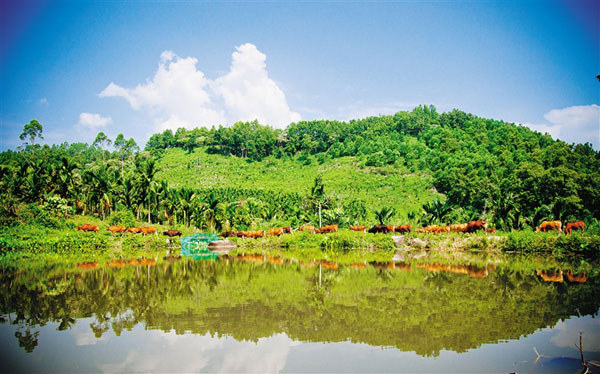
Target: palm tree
x=213, y=211
x=184, y=199
x=127, y=192
x=336, y=216
x=98, y=187
x=317, y=196
x=540, y=214
x=505, y=209
x=435, y=211
x=65, y=177
x=384, y=214
x=146, y=171
x=270, y=212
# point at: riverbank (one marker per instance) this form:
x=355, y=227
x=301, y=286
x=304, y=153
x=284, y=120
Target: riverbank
x=517, y=241
x=350, y=246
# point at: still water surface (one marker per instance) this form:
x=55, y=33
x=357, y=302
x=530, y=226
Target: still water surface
x=259, y=314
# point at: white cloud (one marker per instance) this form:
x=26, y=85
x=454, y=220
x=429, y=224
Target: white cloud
x=44, y=101
x=93, y=120
x=575, y=124
x=567, y=333
x=249, y=93
x=160, y=351
x=544, y=128
x=180, y=95
x=268, y=355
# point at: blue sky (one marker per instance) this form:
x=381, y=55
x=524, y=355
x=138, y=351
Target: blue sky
x=81, y=67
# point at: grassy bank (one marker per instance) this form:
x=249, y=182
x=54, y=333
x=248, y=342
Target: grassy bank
x=518, y=241
x=60, y=237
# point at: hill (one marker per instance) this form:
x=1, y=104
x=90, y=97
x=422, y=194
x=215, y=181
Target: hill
x=346, y=178
x=429, y=167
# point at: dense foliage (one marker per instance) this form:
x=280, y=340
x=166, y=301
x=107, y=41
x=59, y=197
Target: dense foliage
x=484, y=168
x=482, y=165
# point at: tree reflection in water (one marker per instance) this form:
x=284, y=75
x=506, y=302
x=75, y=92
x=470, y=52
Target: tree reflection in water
x=423, y=308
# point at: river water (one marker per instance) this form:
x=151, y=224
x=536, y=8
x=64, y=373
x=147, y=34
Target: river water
x=261, y=314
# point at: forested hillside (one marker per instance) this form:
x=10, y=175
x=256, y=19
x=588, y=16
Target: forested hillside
x=428, y=167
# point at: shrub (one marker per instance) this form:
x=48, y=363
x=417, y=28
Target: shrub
x=58, y=206
x=122, y=218
x=34, y=215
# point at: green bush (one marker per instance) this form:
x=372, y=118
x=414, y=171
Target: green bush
x=522, y=241
x=122, y=218
x=34, y=215
x=58, y=206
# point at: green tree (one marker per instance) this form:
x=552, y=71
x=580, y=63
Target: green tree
x=317, y=196
x=100, y=141
x=32, y=130
x=435, y=211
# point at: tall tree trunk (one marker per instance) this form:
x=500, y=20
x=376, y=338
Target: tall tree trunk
x=320, y=223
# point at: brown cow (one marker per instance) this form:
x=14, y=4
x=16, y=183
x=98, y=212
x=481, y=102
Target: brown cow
x=358, y=228
x=88, y=227
x=435, y=267
x=579, y=225
x=275, y=260
x=309, y=228
x=115, y=264
x=228, y=234
x=172, y=233
x=430, y=228
x=172, y=258
x=490, y=230
x=379, y=229
x=327, y=264
x=116, y=229
x=391, y=228
x=461, y=227
x=382, y=265
x=476, y=272
x=474, y=226
x=275, y=232
x=550, y=275
x=134, y=262
x=402, y=266
x=251, y=258
x=148, y=230
x=358, y=266
x=328, y=228
x=134, y=230
x=578, y=278
x=403, y=228
x=88, y=265
x=253, y=234
x=147, y=262
x=442, y=229
x=287, y=230
x=549, y=226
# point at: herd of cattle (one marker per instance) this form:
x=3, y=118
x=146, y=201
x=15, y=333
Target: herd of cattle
x=131, y=230
x=470, y=227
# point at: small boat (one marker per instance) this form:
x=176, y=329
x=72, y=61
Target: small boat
x=196, y=246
